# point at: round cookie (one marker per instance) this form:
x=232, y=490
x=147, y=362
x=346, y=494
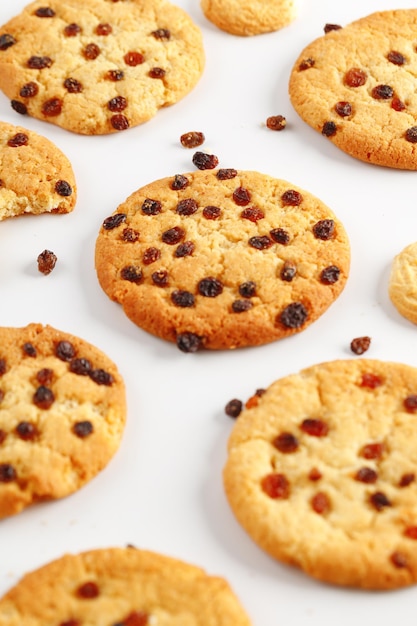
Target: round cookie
x=356, y=85
x=62, y=414
x=251, y=17
x=35, y=176
x=122, y=586
x=222, y=259
x=402, y=287
x=100, y=66
x=321, y=472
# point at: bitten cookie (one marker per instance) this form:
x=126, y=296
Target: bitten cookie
x=222, y=259
x=402, y=287
x=321, y=472
x=62, y=413
x=127, y=587
x=100, y=66
x=251, y=17
x=356, y=85
x=35, y=176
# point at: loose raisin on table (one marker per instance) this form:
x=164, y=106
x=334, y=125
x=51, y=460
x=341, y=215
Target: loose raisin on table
x=189, y=342
x=276, y=122
x=359, y=345
x=46, y=262
x=192, y=139
x=204, y=161
x=276, y=486
x=234, y=408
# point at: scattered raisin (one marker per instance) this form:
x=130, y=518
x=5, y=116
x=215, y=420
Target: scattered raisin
x=156, y=72
x=262, y=242
x=359, y=345
x=315, y=474
x=130, y=234
x=46, y=262
x=151, y=207
x=44, y=12
x=65, y=351
x=72, y=85
x=29, y=90
x=411, y=532
x=173, y=235
x=253, y=214
x=182, y=298
x=241, y=196
x=192, y=139
x=398, y=559
x=43, y=397
x=212, y=212
x=160, y=278
x=184, y=249
x=151, y=255
x=410, y=403
x=179, y=182
x=119, y=122
x=3, y=435
x=279, y=235
x=396, y=57
x=411, y=134
x=3, y=367
x=101, y=377
x=355, y=77
x=133, y=58
x=115, y=75
x=314, y=427
x=7, y=473
x=204, y=161
x=161, y=34
x=189, y=342
x=372, y=451
x=329, y=129
x=407, y=479
x=71, y=30
x=254, y=400
x=131, y=273
x=286, y=443
x=26, y=431
x=45, y=376
x=6, y=41
x=397, y=104
x=91, y=51
x=291, y=198
x=39, y=63
x=379, y=500
x=70, y=622
x=241, y=306
x=52, y=107
x=88, y=590
x=63, y=188
x=330, y=275
x=19, y=107
x=81, y=367
x=20, y=139
x=382, y=92
x=366, y=475
x=188, y=206
x=293, y=316
x=233, y=408
x=104, y=29
x=29, y=349
x=306, y=64
x=343, y=108
x=248, y=289
x=276, y=122
x=276, y=486
x=372, y=381
x=226, y=174
x=113, y=221
x=210, y=287
x=324, y=229
x=329, y=27
x=320, y=503
x=288, y=271
x=117, y=104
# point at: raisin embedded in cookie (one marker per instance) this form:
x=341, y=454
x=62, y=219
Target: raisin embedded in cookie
x=361, y=83
x=251, y=17
x=321, y=472
x=35, y=176
x=100, y=66
x=402, y=287
x=62, y=414
x=121, y=586
x=222, y=259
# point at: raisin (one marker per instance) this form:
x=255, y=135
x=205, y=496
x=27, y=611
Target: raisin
x=133, y=58
x=210, y=287
x=43, y=397
x=88, y=590
x=306, y=64
x=212, y=212
x=324, y=229
x=101, y=377
x=39, y=63
x=72, y=85
x=204, y=161
x=46, y=262
x=134, y=619
x=372, y=451
x=104, y=29
x=398, y=559
x=160, y=278
x=29, y=90
x=3, y=435
x=184, y=249
x=359, y=345
x=179, y=182
x=253, y=214
x=411, y=134
x=314, y=474
x=114, y=221
x=63, y=188
x=45, y=376
x=276, y=122
x=291, y=198
x=371, y=381
x=314, y=427
x=70, y=622
x=115, y=75
x=117, y=104
x=329, y=27
x=382, y=92
x=173, y=235
x=81, y=367
x=397, y=104
x=355, y=77
x=279, y=235
x=161, y=34
x=52, y=107
x=44, y=12
x=7, y=473
x=379, y=500
x=189, y=342
x=226, y=174
x=29, y=349
x=260, y=243
x=330, y=275
x=151, y=255
x=156, y=72
x=193, y=139
x=410, y=403
x=119, y=122
x=19, y=107
x=130, y=235
x=407, y=479
x=233, y=408
x=65, y=351
x=286, y=443
x=72, y=30
x=151, y=207
x=329, y=129
x=276, y=486
x=248, y=289
x=293, y=316
x=241, y=196
x=131, y=273
x=188, y=206
x=6, y=41
x=254, y=400
x=320, y=503
x=343, y=108
x=2, y=366
x=366, y=475
x=91, y=51
x=241, y=306
x=26, y=431
x=182, y=298
x=396, y=57
x=20, y=139
x=411, y=532
x=288, y=271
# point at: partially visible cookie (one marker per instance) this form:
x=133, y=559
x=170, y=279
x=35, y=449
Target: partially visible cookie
x=321, y=472
x=100, y=66
x=35, y=176
x=122, y=586
x=62, y=414
x=356, y=86
x=402, y=287
x=222, y=259
x=251, y=17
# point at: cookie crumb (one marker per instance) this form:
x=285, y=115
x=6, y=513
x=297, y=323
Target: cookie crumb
x=276, y=122
x=192, y=139
x=46, y=262
x=233, y=408
x=359, y=345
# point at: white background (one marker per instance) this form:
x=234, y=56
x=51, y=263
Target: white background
x=163, y=489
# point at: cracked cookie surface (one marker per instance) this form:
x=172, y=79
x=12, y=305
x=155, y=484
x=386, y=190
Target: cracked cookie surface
x=251, y=17
x=222, y=259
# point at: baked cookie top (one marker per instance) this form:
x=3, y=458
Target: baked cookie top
x=249, y=17
x=100, y=66
x=356, y=85
x=35, y=176
x=402, y=287
x=321, y=472
x=222, y=259
x=122, y=586
x=62, y=414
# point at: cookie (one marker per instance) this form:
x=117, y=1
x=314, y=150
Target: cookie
x=35, y=176
x=222, y=259
x=122, y=586
x=62, y=413
x=98, y=66
x=402, y=287
x=249, y=18
x=321, y=472
x=356, y=86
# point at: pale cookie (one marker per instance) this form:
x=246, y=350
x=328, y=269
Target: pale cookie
x=357, y=86
x=249, y=17
x=35, y=176
x=62, y=414
x=121, y=587
x=222, y=259
x=98, y=66
x=402, y=287
x=321, y=472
